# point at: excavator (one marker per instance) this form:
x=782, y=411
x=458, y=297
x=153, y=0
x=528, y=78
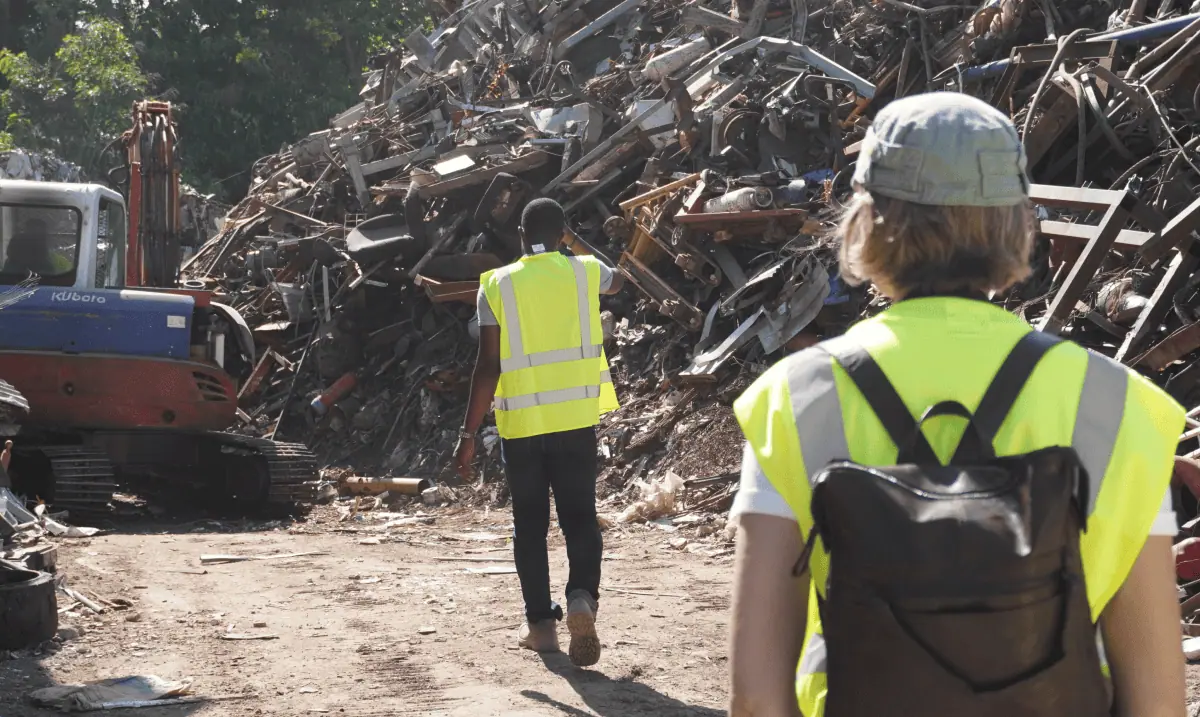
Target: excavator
x=128, y=374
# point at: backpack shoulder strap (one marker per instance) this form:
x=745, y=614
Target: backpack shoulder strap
x=881, y=396
x=1007, y=384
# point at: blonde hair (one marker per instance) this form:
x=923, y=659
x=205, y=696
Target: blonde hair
x=902, y=247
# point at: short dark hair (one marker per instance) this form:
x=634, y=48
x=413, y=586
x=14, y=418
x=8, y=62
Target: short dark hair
x=543, y=222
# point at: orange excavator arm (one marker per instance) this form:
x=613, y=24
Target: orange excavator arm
x=153, y=252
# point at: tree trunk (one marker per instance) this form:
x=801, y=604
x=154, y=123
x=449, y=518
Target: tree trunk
x=354, y=63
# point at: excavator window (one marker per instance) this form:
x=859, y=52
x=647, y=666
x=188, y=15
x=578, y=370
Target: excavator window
x=41, y=240
x=110, y=251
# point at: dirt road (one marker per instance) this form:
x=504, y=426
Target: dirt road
x=392, y=628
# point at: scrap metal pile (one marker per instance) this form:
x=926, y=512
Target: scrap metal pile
x=702, y=147
x=21, y=164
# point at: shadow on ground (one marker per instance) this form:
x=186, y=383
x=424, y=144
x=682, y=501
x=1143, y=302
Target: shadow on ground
x=608, y=697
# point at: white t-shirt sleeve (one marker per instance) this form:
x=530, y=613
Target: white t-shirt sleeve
x=757, y=495
x=1164, y=522
x=606, y=277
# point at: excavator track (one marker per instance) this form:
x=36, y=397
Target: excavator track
x=290, y=467
x=84, y=481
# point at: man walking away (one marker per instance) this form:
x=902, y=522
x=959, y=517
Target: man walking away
x=541, y=362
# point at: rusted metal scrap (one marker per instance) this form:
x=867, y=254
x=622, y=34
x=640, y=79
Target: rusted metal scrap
x=704, y=150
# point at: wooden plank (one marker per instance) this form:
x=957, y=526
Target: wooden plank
x=1089, y=262
x=662, y=191
x=533, y=160
x=715, y=219
x=696, y=16
x=398, y=161
x=1053, y=195
x=1127, y=239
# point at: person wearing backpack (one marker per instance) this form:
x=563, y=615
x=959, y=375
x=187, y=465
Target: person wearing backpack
x=945, y=512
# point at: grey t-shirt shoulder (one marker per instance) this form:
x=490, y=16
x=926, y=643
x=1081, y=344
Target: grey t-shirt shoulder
x=484, y=310
x=487, y=317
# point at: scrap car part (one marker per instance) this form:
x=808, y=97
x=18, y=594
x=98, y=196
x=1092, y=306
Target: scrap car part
x=668, y=301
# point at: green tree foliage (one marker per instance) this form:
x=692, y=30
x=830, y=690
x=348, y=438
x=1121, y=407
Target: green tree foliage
x=74, y=103
x=246, y=76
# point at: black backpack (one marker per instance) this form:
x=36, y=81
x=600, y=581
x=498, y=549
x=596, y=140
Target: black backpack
x=955, y=590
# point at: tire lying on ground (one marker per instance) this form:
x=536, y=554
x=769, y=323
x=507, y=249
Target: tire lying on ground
x=28, y=608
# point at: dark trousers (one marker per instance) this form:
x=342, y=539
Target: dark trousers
x=566, y=463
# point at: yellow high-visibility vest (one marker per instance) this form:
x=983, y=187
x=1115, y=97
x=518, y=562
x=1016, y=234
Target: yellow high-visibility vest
x=805, y=412
x=553, y=372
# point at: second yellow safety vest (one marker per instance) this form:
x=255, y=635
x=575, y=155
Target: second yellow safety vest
x=806, y=412
x=553, y=372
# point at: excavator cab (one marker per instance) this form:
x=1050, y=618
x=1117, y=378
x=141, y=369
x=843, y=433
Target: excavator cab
x=66, y=235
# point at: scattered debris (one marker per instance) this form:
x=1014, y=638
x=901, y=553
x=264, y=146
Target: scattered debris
x=657, y=499
x=643, y=593
x=494, y=570
x=109, y=694
x=376, y=486
x=81, y=599
x=454, y=558
x=59, y=530
x=219, y=559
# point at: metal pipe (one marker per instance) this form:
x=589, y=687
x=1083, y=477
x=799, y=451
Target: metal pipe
x=1172, y=67
x=600, y=23
x=747, y=199
x=1135, y=70
x=1130, y=35
x=375, y=486
x=670, y=62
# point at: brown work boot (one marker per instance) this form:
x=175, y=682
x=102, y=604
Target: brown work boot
x=539, y=635
x=581, y=622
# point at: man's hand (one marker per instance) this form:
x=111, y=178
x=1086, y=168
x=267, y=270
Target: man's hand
x=6, y=455
x=464, y=456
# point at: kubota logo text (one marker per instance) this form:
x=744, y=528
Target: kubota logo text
x=76, y=296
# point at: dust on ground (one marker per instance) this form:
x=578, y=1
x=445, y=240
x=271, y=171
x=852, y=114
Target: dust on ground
x=390, y=625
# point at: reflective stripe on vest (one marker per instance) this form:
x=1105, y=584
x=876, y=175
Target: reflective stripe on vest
x=815, y=658
x=517, y=358
x=547, y=398
x=818, y=416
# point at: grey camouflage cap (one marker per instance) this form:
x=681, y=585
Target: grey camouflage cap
x=943, y=149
